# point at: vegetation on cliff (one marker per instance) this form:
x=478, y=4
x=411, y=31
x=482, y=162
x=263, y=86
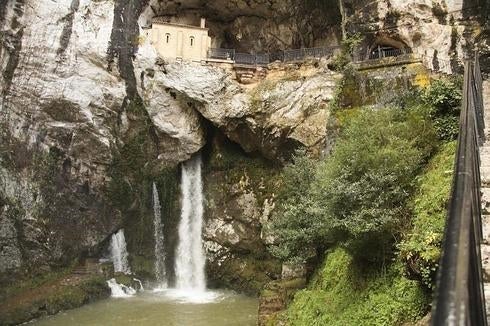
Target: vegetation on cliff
x=357, y=196
x=346, y=293
x=375, y=208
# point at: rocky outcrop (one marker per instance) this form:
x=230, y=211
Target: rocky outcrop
x=287, y=110
x=90, y=117
x=264, y=26
x=443, y=32
x=240, y=191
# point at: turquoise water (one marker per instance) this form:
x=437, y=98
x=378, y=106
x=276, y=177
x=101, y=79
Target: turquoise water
x=165, y=308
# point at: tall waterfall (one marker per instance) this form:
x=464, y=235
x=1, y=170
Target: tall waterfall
x=159, y=238
x=119, y=254
x=190, y=258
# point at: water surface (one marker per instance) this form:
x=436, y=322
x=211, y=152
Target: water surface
x=166, y=308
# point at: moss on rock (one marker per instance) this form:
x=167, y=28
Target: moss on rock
x=237, y=187
x=345, y=293
x=52, y=297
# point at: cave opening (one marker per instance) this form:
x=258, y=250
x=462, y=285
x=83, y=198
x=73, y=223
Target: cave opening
x=385, y=47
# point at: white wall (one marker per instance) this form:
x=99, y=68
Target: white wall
x=179, y=44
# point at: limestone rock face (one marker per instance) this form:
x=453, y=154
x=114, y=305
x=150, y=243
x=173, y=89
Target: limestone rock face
x=257, y=25
x=442, y=32
x=274, y=117
x=240, y=192
x=84, y=96
x=57, y=110
x=89, y=116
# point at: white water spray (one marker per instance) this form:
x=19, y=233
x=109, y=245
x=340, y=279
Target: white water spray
x=119, y=254
x=160, y=273
x=142, y=289
x=120, y=290
x=190, y=258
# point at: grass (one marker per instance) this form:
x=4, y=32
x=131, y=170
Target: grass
x=344, y=293
x=421, y=247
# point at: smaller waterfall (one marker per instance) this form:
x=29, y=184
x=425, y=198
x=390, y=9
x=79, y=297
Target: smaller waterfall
x=120, y=290
x=142, y=289
x=119, y=254
x=160, y=273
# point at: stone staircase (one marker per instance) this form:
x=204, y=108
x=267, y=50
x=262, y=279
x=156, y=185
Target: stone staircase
x=250, y=75
x=485, y=190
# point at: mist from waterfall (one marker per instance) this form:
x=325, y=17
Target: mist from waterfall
x=190, y=259
x=160, y=272
x=119, y=254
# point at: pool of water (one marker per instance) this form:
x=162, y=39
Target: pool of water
x=166, y=308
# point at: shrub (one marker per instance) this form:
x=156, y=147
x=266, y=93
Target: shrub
x=297, y=228
x=344, y=293
x=349, y=45
x=364, y=186
x=357, y=196
x=421, y=248
x=443, y=97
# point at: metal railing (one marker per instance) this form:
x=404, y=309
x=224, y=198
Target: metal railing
x=221, y=54
x=459, y=297
x=262, y=59
x=245, y=59
x=265, y=59
x=305, y=53
x=385, y=53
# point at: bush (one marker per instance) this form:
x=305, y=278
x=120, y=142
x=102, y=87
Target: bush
x=349, y=45
x=344, y=293
x=298, y=228
x=358, y=196
x=443, y=97
x=364, y=186
x=421, y=248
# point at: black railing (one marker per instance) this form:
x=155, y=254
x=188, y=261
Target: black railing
x=245, y=59
x=391, y=52
x=459, y=297
x=262, y=59
x=265, y=59
x=221, y=54
x=305, y=53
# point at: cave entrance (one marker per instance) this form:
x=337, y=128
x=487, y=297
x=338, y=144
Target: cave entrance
x=386, y=47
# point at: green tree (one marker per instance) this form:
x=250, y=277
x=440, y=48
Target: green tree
x=443, y=97
x=357, y=197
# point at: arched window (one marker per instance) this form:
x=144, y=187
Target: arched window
x=167, y=37
x=192, y=40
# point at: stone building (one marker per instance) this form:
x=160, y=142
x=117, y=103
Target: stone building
x=180, y=41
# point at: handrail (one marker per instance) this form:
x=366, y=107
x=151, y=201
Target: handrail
x=265, y=59
x=459, y=297
x=386, y=53
x=221, y=54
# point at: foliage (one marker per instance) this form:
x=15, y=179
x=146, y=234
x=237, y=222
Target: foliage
x=298, y=228
x=357, y=196
x=421, y=248
x=444, y=98
x=344, y=293
x=349, y=45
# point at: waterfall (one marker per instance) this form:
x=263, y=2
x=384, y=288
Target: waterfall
x=140, y=283
x=159, y=244
x=120, y=290
x=119, y=254
x=190, y=259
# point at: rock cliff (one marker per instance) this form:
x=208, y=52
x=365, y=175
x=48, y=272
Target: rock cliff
x=90, y=117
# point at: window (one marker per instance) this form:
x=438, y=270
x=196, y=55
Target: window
x=167, y=37
x=192, y=40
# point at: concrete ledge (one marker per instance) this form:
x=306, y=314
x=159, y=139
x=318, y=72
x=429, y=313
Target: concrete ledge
x=387, y=62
